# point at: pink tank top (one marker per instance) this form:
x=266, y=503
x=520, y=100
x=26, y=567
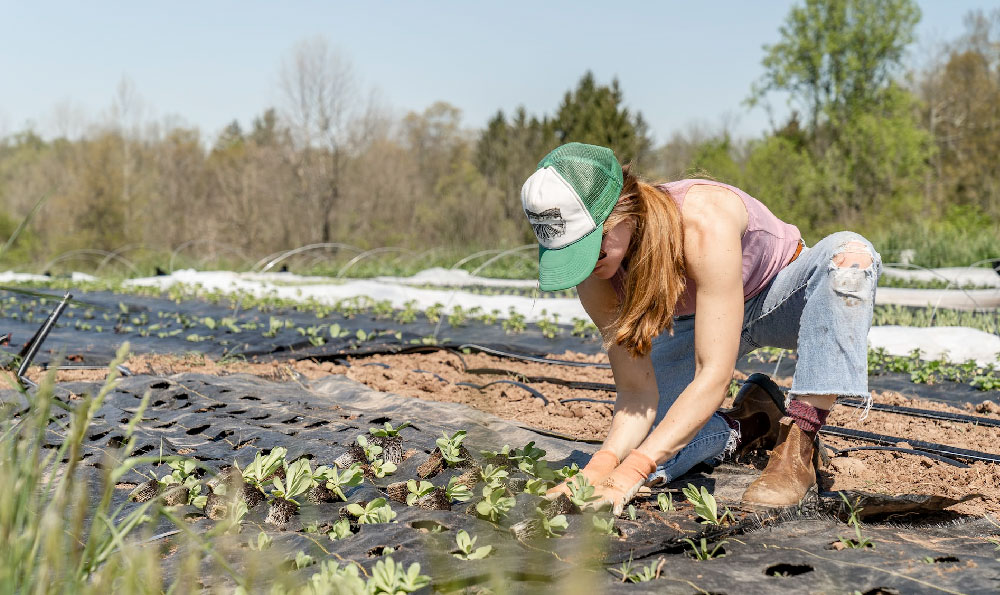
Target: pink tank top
x=768, y=244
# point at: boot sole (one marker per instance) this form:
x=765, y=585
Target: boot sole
x=811, y=496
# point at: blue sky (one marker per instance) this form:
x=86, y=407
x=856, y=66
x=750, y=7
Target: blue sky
x=207, y=63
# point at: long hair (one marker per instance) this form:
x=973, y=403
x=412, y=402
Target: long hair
x=653, y=263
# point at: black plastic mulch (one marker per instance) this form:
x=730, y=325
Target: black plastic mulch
x=221, y=419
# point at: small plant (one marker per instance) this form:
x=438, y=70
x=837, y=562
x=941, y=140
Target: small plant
x=263, y=467
x=644, y=574
x=337, y=481
x=537, y=486
x=298, y=480
x=581, y=493
x=853, y=519
x=340, y=530
x=604, y=525
x=703, y=553
x=417, y=490
x=451, y=447
x=631, y=512
x=433, y=313
x=549, y=526
x=392, y=578
x=665, y=501
x=457, y=317
x=262, y=543
x=376, y=511
x=514, y=323
x=457, y=492
x=494, y=504
x=493, y=476
x=705, y=505
x=382, y=468
x=467, y=549
x=387, y=431
x=372, y=451
x=303, y=560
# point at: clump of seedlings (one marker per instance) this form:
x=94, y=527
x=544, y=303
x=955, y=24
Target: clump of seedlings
x=449, y=453
x=181, y=486
x=467, y=549
x=337, y=482
x=257, y=473
x=298, y=480
x=376, y=511
x=495, y=504
x=425, y=495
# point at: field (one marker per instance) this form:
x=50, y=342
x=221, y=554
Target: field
x=278, y=442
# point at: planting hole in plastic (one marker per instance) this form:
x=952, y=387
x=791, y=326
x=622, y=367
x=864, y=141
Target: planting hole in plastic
x=785, y=570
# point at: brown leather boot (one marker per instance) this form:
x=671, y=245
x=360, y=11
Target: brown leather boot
x=758, y=408
x=790, y=472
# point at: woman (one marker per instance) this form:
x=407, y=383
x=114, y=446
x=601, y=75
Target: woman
x=682, y=279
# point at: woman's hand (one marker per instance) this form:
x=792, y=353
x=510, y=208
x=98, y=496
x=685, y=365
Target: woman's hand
x=597, y=470
x=624, y=482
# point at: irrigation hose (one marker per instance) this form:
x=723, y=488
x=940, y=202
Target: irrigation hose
x=932, y=447
x=946, y=460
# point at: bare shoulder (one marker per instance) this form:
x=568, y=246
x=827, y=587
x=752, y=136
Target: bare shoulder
x=708, y=207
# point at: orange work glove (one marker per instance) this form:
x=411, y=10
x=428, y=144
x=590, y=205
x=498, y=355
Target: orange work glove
x=600, y=467
x=624, y=482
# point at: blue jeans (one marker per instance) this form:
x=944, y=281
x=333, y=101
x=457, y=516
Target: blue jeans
x=821, y=310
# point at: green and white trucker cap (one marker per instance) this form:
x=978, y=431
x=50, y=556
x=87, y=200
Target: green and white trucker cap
x=567, y=200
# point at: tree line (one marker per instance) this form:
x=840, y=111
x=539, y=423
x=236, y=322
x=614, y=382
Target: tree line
x=911, y=158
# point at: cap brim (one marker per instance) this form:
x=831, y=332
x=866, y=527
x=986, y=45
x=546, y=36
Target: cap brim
x=568, y=267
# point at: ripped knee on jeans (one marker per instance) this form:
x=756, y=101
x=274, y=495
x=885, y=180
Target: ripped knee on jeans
x=848, y=275
x=853, y=254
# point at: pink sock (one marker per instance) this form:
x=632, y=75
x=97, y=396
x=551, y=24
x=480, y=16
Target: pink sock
x=807, y=417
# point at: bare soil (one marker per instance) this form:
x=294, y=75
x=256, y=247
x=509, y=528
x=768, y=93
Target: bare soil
x=435, y=376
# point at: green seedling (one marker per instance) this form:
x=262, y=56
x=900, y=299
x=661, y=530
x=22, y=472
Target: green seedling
x=302, y=560
x=514, y=323
x=495, y=504
x=645, y=573
x=665, y=501
x=372, y=451
x=549, y=526
x=298, y=480
x=467, y=549
x=567, y=471
x=262, y=543
x=631, y=512
x=433, y=313
x=604, y=525
x=450, y=447
x=703, y=553
x=493, y=476
x=854, y=519
x=263, y=467
x=376, y=511
x=387, y=431
x=392, y=578
x=457, y=492
x=705, y=505
x=382, y=468
x=581, y=493
x=340, y=530
x=336, y=481
x=417, y=490
x=331, y=578
x=537, y=486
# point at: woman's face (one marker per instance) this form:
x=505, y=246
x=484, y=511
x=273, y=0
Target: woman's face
x=613, y=248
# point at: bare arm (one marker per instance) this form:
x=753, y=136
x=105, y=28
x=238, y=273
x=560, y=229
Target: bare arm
x=713, y=256
x=635, y=406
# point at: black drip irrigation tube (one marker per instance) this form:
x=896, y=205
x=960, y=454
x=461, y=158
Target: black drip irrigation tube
x=928, y=413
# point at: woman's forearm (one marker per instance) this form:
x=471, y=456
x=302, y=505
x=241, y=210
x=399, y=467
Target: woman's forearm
x=685, y=418
x=633, y=417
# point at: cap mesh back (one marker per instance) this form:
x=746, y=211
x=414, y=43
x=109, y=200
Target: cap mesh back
x=593, y=172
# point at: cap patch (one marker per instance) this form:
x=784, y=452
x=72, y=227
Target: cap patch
x=548, y=224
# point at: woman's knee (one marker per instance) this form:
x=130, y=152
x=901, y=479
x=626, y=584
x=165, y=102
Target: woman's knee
x=847, y=249
x=853, y=266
